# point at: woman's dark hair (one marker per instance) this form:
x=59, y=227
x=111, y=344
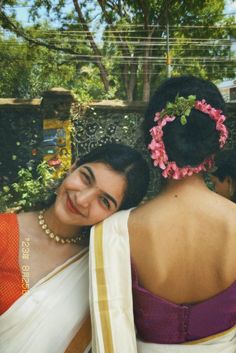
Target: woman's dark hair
x=225, y=161
x=186, y=144
x=126, y=161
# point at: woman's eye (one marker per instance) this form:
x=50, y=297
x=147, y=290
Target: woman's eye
x=105, y=202
x=85, y=178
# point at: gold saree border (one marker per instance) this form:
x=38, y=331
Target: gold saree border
x=102, y=290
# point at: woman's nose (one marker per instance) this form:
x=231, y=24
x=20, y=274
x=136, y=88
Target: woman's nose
x=86, y=196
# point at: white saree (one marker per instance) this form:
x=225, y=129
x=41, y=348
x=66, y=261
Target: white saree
x=111, y=305
x=46, y=318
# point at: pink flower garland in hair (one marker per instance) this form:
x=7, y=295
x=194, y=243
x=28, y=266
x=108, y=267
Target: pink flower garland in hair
x=157, y=146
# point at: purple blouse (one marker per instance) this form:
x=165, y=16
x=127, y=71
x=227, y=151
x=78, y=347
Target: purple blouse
x=159, y=321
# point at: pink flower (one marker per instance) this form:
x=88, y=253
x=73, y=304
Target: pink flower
x=157, y=146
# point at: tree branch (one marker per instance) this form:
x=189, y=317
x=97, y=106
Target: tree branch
x=145, y=13
x=124, y=48
x=21, y=33
x=103, y=72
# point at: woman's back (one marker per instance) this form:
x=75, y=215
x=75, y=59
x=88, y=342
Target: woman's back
x=183, y=242
x=185, y=251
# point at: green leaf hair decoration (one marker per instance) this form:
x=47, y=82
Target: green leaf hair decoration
x=181, y=107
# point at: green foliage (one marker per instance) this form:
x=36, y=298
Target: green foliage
x=27, y=71
x=130, y=38
x=181, y=107
x=88, y=85
x=29, y=190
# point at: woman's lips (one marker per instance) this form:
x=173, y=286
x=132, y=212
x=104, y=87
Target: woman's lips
x=71, y=207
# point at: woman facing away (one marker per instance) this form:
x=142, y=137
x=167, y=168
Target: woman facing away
x=44, y=263
x=181, y=244
x=224, y=177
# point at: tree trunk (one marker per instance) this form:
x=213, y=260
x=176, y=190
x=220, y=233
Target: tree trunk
x=129, y=73
x=104, y=75
x=102, y=69
x=146, y=83
x=126, y=77
x=132, y=81
x=147, y=66
x=146, y=80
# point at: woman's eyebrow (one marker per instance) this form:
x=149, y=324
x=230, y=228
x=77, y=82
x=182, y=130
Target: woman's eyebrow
x=111, y=198
x=90, y=172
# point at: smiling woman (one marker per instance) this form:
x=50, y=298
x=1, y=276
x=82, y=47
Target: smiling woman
x=89, y=194
x=45, y=269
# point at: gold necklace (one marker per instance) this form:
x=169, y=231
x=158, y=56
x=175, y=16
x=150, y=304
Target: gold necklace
x=49, y=233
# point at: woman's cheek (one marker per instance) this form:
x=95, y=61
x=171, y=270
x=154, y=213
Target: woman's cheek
x=100, y=213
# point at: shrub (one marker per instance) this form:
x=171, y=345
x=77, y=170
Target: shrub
x=29, y=191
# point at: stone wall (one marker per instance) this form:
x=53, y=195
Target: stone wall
x=117, y=121
x=21, y=127
x=20, y=135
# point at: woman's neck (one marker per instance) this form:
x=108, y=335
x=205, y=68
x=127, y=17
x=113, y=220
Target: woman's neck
x=194, y=182
x=58, y=227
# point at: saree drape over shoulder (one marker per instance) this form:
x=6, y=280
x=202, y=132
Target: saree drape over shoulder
x=46, y=318
x=111, y=302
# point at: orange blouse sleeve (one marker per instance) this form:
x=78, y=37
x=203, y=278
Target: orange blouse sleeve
x=10, y=274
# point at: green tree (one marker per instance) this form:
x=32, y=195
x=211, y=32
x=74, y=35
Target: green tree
x=26, y=71
x=131, y=57
x=199, y=39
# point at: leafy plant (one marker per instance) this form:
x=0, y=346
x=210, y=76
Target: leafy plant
x=180, y=107
x=29, y=191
